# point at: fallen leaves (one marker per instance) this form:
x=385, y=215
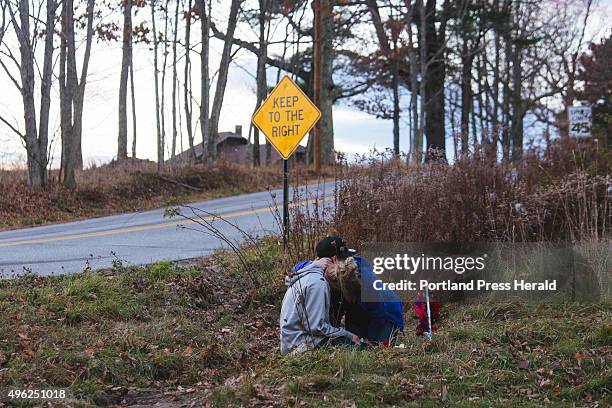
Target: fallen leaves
x=545, y=383
x=579, y=357
x=231, y=339
x=545, y=371
x=23, y=332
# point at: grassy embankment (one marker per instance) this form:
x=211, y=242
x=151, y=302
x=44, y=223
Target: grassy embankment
x=131, y=186
x=206, y=332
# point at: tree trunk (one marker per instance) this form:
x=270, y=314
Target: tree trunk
x=205, y=76
x=64, y=111
x=328, y=155
x=516, y=101
x=423, y=88
x=518, y=111
x=396, y=102
x=453, y=108
x=414, y=107
x=68, y=96
x=133, y=98
x=187, y=83
x=474, y=124
x=45, y=92
x=262, y=84
x=174, y=79
x=484, y=131
x=72, y=92
x=467, y=58
x=393, y=55
x=496, y=79
x=506, y=98
x=162, y=111
x=160, y=142
x=435, y=78
x=222, y=80
x=36, y=161
x=80, y=88
x=122, y=150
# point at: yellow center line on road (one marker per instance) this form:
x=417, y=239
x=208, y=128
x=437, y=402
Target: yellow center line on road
x=153, y=226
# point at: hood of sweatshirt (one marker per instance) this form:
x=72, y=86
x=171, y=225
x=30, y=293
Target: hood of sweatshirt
x=295, y=276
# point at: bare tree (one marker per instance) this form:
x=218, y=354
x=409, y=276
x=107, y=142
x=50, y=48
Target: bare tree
x=80, y=86
x=174, y=79
x=416, y=145
x=205, y=26
x=188, y=105
x=164, y=73
x=390, y=47
x=122, y=140
x=160, y=139
x=67, y=78
x=262, y=84
x=43, y=128
x=35, y=140
x=323, y=81
x=424, y=80
x=72, y=91
x=215, y=112
x=133, y=97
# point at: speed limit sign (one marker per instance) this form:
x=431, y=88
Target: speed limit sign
x=579, y=121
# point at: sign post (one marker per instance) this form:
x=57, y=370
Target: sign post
x=285, y=202
x=579, y=118
x=285, y=117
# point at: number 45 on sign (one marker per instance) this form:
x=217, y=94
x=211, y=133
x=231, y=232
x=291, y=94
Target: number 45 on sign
x=579, y=121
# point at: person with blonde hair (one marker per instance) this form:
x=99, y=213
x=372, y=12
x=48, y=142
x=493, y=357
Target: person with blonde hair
x=373, y=315
x=342, y=276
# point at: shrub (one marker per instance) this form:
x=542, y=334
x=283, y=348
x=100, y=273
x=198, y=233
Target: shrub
x=556, y=196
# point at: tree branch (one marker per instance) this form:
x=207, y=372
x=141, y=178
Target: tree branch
x=298, y=28
x=13, y=128
x=11, y=77
x=302, y=73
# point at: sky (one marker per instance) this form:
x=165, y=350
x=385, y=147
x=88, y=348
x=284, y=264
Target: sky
x=354, y=131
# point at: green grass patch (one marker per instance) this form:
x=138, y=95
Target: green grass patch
x=212, y=327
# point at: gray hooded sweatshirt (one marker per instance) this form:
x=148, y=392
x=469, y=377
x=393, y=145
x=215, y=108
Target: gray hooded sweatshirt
x=304, y=318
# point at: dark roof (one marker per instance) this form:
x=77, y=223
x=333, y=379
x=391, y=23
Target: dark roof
x=199, y=149
x=223, y=136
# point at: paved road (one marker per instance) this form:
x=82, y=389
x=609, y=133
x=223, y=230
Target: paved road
x=138, y=238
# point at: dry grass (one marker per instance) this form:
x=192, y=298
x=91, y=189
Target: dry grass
x=561, y=195
x=130, y=186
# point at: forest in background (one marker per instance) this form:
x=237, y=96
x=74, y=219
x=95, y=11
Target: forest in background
x=469, y=75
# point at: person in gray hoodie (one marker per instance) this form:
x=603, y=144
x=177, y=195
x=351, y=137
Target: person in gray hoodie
x=305, y=320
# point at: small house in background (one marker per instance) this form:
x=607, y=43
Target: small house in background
x=233, y=147
x=230, y=146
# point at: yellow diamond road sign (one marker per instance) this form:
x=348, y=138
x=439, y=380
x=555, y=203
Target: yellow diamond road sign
x=286, y=117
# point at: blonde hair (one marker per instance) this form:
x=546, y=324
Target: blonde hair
x=343, y=275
